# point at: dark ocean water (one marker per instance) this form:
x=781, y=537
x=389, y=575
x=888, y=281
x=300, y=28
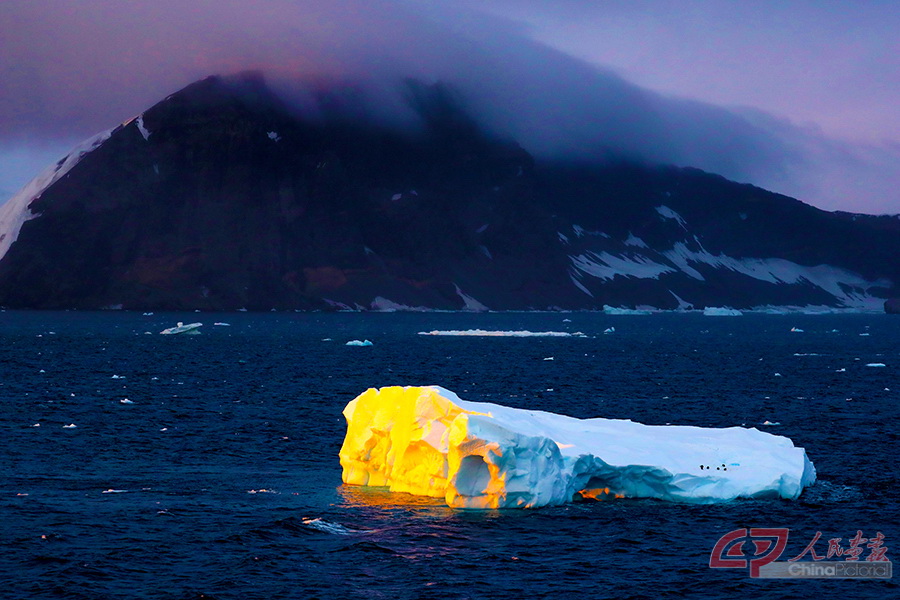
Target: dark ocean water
x=228, y=482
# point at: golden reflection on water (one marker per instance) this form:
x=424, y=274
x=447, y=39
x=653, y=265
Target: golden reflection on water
x=383, y=498
x=380, y=502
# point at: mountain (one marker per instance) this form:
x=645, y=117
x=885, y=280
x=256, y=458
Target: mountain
x=222, y=197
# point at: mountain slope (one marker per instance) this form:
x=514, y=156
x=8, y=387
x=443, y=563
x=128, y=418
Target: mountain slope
x=221, y=197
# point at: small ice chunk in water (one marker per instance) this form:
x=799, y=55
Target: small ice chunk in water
x=359, y=343
x=327, y=526
x=609, y=330
x=876, y=365
x=70, y=426
x=126, y=401
x=796, y=330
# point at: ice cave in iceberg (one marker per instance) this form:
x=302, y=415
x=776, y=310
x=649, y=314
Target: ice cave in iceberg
x=427, y=441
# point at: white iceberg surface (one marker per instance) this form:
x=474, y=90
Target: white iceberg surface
x=359, y=343
x=720, y=311
x=427, y=441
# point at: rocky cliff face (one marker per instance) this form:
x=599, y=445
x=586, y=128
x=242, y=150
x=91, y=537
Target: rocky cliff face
x=219, y=197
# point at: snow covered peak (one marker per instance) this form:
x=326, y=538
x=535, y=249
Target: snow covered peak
x=17, y=210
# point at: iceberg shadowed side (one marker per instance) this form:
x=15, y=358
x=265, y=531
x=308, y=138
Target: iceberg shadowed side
x=427, y=441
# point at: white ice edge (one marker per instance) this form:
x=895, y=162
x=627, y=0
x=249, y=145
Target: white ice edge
x=427, y=441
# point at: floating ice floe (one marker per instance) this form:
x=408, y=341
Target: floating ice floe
x=721, y=311
x=609, y=330
x=767, y=422
x=126, y=401
x=489, y=333
x=876, y=365
x=112, y=491
x=190, y=328
x=612, y=310
x=70, y=426
x=796, y=330
x=427, y=441
x=222, y=324
x=359, y=343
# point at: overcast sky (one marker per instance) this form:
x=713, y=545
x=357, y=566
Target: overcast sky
x=798, y=97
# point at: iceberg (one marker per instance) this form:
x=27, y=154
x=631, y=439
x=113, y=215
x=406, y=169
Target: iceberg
x=359, y=343
x=718, y=311
x=427, y=441
x=190, y=328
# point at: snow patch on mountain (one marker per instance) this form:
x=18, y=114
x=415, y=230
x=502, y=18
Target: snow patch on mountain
x=140, y=125
x=382, y=304
x=17, y=210
x=470, y=303
x=667, y=213
x=848, y=287
x=606, y=266
x=634, y=240
x=579, y=285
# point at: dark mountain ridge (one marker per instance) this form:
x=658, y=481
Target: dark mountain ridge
x=222, y=197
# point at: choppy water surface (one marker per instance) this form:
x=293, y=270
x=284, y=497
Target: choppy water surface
x=220, y=479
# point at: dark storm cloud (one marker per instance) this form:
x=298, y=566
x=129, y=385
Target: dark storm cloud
x=71, y=69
